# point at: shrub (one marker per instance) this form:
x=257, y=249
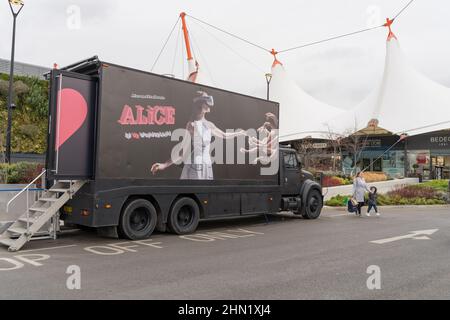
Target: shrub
x=29, y=130
x=441, y=185
x=338, y=201
x=414, y=191
x=407, y=195
x=29, y=125
x=332, y=181
x=21, y=172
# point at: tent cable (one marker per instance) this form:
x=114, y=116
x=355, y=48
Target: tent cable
x=165, y=44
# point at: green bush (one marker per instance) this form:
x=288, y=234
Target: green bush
x=29, y=118
x=441, y=185
x=338, y=201
x=21, y=172
x=410, y=195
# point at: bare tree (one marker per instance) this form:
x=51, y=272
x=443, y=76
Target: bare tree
x=335, y=141
x=304, y=148
x=355, y=142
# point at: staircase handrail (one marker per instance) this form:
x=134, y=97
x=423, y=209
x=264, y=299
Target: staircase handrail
x=24, y=190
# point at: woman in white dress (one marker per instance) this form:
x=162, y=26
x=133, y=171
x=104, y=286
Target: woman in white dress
x=201, y=131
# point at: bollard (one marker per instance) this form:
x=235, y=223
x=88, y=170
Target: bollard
x=448, y=191
x=319, y=178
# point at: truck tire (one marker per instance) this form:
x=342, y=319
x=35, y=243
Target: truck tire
x=313, y=206
x=184, y=216
x=137, y=220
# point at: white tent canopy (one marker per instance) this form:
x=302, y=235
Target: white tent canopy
x=405, y=101
x=301, y=115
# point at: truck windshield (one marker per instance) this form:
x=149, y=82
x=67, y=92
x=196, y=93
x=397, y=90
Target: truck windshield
x=290, y=161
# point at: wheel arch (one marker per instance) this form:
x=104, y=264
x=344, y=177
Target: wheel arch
x=306, y=187
x=147, y=197
x=193, y=197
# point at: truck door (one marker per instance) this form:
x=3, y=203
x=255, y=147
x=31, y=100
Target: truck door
x=291, y=173
x=70, y=149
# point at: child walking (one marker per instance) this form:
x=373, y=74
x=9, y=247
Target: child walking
x=373, y=199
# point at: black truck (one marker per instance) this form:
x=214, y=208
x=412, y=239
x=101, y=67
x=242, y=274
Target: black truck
x=160, y=153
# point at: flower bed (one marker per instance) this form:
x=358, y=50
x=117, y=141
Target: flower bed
x=334, y=181
x=420, y=194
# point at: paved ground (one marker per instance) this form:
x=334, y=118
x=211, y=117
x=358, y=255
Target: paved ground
x=289, y=258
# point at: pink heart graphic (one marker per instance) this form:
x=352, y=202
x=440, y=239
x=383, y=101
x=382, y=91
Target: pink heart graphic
x=72, y=114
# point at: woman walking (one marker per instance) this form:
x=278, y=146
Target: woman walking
x=359, y=191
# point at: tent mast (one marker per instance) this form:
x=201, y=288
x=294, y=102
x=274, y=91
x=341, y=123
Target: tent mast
x=192, y=64
x=275, y=59
x=391, y=34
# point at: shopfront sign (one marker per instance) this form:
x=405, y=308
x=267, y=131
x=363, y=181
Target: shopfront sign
x=431, y=141
x=373, y=143
x=440, y=141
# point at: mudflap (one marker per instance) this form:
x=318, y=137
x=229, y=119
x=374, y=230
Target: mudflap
x=108, y=232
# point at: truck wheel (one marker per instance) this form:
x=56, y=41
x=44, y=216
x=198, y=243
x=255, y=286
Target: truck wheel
x=313, y=206
x=184, y=216
x=137, y=220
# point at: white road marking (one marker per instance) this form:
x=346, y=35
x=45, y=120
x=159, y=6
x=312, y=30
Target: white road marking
x=338, y=215
x=218, y=235
x=50, y=248
x=415, y=235
x=19, y=261
x=117, y=248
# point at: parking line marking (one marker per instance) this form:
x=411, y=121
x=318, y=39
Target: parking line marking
x=50, y=248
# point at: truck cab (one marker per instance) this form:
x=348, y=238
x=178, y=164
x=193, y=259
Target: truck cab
x=300, y=192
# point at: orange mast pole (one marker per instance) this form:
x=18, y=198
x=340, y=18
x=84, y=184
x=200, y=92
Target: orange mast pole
x=186, y=36
x=388, y=24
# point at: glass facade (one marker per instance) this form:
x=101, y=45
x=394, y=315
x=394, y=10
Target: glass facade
x=426, y=156
x=419, y=163
x=392, y=163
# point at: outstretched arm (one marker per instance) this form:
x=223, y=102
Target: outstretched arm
x=226, y=135
x=185, y=146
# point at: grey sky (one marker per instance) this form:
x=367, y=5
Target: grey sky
x=340, y=72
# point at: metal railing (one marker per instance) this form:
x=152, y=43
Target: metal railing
x=26, y=190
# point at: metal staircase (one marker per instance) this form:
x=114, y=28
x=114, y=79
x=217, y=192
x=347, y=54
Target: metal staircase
x=43, y=213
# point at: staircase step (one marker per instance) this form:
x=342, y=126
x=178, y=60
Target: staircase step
x=39, y=216
x=25, y=220
x=48, y=199
x=17, y=230
x=7, y=242
x=58, y=190
x=38, y=209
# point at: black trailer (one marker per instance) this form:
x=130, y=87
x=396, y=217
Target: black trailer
x=116, y=128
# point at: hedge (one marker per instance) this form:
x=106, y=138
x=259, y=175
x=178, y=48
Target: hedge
x=21, y=172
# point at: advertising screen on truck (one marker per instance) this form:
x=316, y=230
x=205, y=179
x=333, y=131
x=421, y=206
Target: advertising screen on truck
x=155, y=127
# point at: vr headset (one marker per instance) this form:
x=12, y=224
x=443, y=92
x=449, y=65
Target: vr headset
x=205, y=98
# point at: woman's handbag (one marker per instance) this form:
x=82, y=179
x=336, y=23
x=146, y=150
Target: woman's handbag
x=352, y=205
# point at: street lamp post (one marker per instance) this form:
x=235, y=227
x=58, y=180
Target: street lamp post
x=268, y=80
x=16, y=6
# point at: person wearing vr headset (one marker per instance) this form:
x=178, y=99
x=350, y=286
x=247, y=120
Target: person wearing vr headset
x=199, y=134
